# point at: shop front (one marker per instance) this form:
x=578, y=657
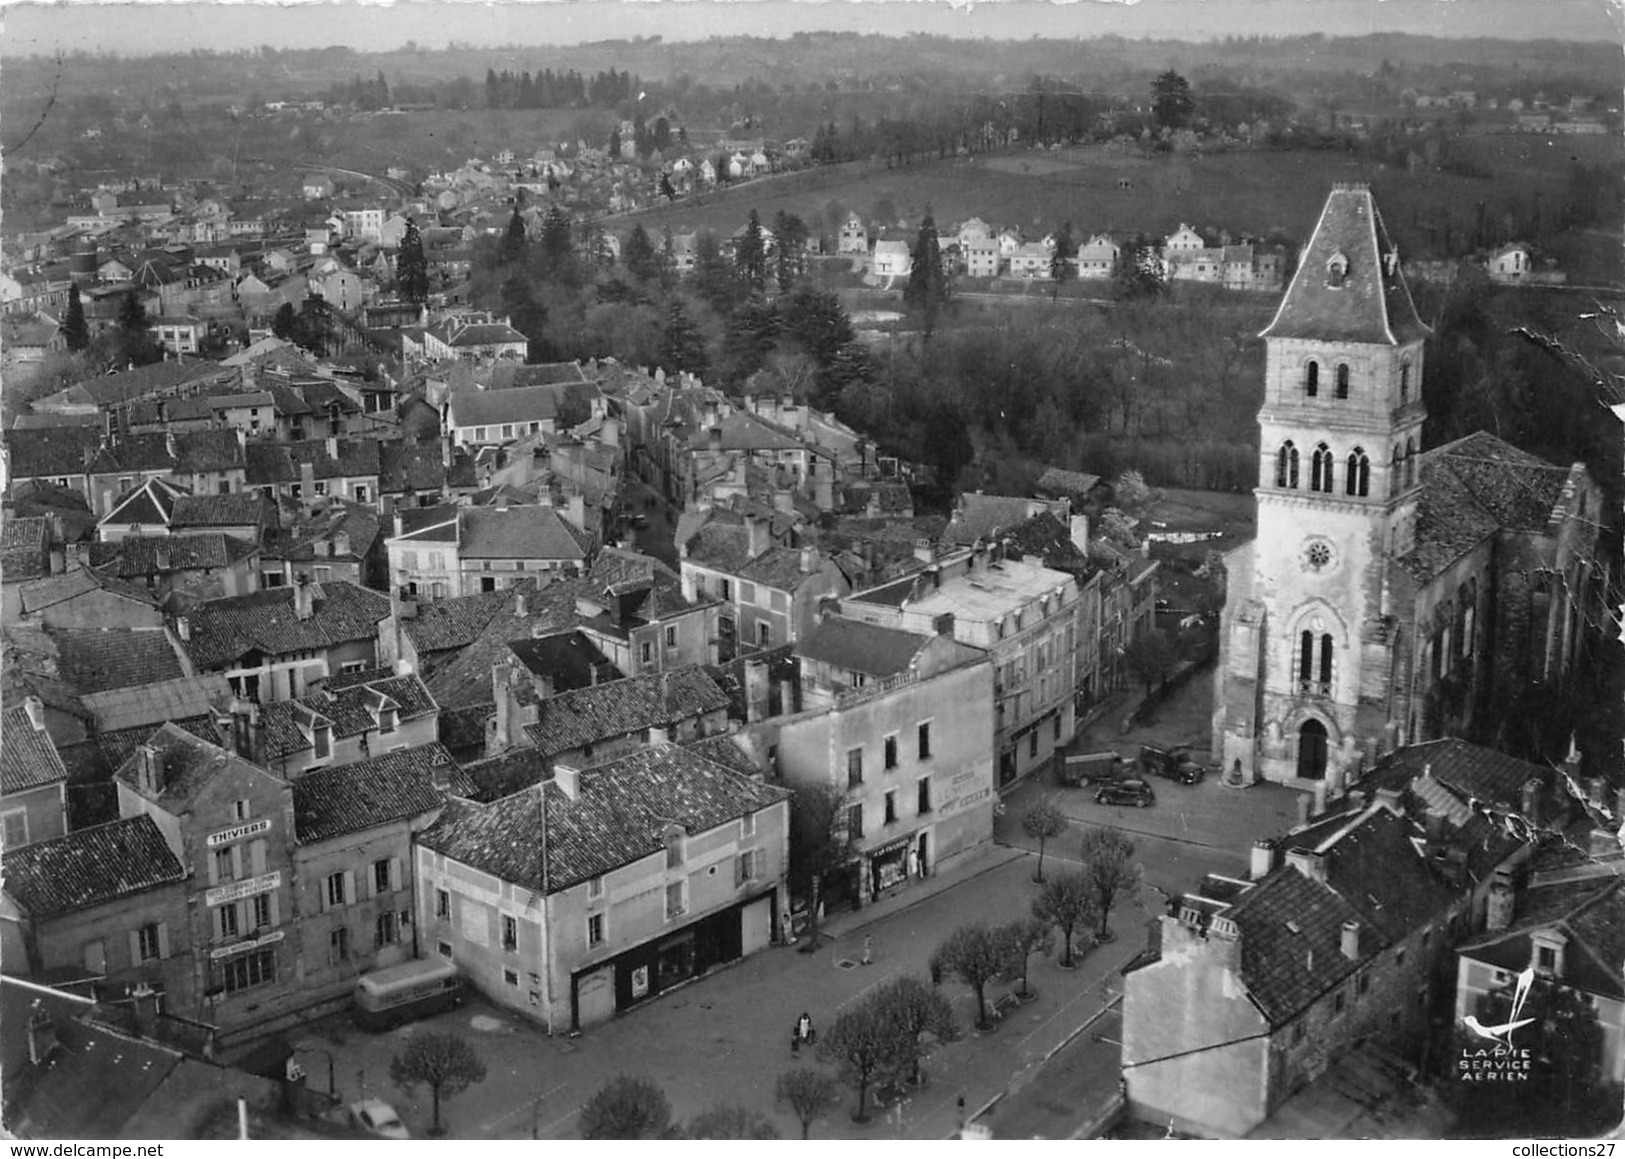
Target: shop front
x=898, y=862
x=661, y=963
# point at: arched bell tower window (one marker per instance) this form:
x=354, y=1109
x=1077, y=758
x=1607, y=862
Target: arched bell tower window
x=1410, y=462
x=1320, y=469
x=1311, y=379
x=1358, y=479
x=1404, y=382
x=1286, y=466
x=1342, y=380
x=1326, y=659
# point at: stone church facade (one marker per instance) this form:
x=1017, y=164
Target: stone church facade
x=1391, y=592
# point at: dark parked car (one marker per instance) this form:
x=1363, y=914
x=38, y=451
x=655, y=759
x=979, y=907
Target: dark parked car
x=1131, y=792
x=1173, y=764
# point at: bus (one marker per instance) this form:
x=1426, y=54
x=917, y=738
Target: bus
x=397, y=994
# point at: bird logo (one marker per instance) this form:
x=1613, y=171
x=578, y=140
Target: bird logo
x=1501, y=1034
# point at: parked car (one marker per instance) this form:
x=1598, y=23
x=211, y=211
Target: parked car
x=378, y=1118
x=1130, y=792
x=1089, y=768
x=1173, y=764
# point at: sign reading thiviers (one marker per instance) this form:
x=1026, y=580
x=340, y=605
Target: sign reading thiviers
x=225, y=836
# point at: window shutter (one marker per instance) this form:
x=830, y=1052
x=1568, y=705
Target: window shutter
x=237, y=862
x=325, y=888
x=135, y=947
x=256, y=857
x=739, y=869
x=371, y=875
x=214, y=866
x=397, y=878
x=276, y=909
x=163, y=939
x=349, y=886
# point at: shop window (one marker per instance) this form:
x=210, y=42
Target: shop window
x=250, y=970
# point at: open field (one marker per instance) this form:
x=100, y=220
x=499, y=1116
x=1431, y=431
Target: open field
x=1258, y=192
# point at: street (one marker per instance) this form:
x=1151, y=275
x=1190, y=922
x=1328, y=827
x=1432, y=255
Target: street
x=724, y=1038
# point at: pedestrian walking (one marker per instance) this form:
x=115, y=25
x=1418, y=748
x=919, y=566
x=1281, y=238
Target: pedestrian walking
x=804, y=1028
x=868, y=950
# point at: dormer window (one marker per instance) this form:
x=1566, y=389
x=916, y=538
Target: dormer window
x=386, y=720
x=1337, y=269
x=321, y=738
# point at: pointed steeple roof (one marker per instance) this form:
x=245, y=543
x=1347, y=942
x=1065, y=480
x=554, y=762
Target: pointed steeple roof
x=1348, y=287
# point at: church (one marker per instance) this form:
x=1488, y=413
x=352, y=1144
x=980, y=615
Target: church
x=1393, y=593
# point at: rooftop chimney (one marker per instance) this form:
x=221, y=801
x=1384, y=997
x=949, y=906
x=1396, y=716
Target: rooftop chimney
x=307, y=481
x=1351, y=941
x=1499, y=903
x=169, y=445
x=36, y=712
x=183, y=628
x=399, y=526
x=784, y=500
x=303, y=604
x=1263, y=860
x=1529, y=802
x=341, y=543
x=714, y=440
x=924, y=551
x=809, y=560
x=144, y=1004
x=445, y=451
x=149, y=769
x=521, y=606
x=1311, y=864
x=568, y=779
x=659, y=736
x=757, y=536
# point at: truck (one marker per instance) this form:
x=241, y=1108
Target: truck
x=1173, y=764
x=1089, y=768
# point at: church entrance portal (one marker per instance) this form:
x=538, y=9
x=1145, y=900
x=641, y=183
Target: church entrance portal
x=1312, y=750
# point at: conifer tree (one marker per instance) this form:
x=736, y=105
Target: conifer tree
x=927, y=290
x=412, y=267
x=74, y=327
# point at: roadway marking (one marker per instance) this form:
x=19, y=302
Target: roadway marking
x=526, y=1107
x=865, y=990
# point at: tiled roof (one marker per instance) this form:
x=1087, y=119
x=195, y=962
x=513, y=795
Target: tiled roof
x=151, y=555
x=182, y=453
x=98, y=660
x=1589, y=912
x=240, y=507
x=90, y=867
x=1069, y=482
x=1471, y=770
x=1473, y=488
x=150, y=502
x=419, y=465
x=1371, y=303
x=1050, y=540
x=115, y=747
x=439, y=625
x=509, y=376
x=348, y=708
x=723, y=751
x=569, y=660
x=28, y=758
x=223, y=630
x=1291, y=925
x=348, y=798
x=465, y=679
x=315, y=535
x=986, y=516
x=528, y=532
x=50, y=452
x=38, y=595
x=463, y=728
x=25, y=548
x=153, y=703
x=132, y=384
x=587, y=716
x=486, y=334
x=483, y=408
x=747, y=432
x=270, y=464
x=620, y=815
x=188, y=763
x=857, y=647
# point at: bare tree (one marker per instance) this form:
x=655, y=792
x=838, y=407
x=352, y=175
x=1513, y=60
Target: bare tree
x=445, y=1063
x=1023, y=938
x=917, y=1010
x=863, y=1042
x=820, y=841
x=1041, y=822
x=973, y=954
x=1064, y=901
x=810, y=1094
x=1108, y=871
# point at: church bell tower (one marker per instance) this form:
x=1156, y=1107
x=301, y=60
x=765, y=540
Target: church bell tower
x=1307, y=644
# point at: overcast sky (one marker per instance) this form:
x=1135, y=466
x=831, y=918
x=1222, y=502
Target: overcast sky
x=150, y=27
